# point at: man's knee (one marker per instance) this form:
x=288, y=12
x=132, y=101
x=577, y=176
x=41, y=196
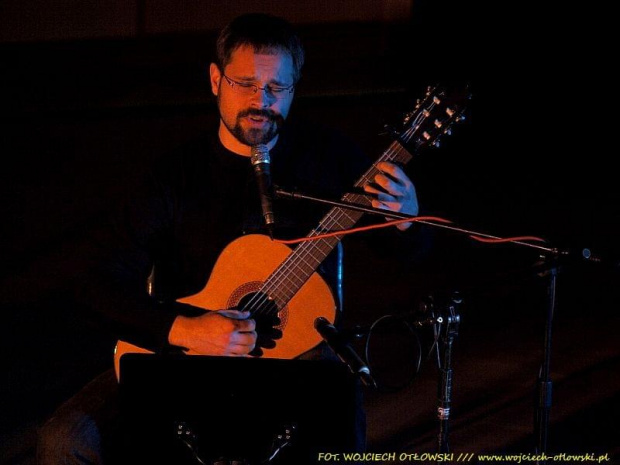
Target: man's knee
x=71, y=438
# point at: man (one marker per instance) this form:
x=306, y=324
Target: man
x=245, y=82
x=195, y=203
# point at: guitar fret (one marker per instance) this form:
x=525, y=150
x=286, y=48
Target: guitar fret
x=281, y=296
x=303, y=259
x=340, y=226
x=293, y=274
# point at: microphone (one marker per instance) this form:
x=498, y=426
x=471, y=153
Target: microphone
x=343, y=350
x=261, y=163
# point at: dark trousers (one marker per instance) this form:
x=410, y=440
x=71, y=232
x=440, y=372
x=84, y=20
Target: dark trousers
x=84, y=429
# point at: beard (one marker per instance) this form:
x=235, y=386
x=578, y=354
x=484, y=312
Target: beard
x=255, y=136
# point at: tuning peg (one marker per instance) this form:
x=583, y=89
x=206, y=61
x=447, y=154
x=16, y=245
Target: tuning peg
x=448, y=131
x=460, y=118
x=438, y=123
x=436, y=143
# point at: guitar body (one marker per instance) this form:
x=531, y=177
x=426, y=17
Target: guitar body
x=239, y=271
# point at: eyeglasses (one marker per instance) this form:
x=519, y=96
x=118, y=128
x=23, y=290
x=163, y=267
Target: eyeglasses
x=248, y=89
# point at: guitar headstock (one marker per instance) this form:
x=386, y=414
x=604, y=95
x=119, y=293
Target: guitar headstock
x=433, y=117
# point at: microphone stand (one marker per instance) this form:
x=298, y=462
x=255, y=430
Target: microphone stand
x=544, y=383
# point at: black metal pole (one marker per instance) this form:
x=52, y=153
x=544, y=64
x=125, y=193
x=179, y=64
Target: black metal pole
x=444, y=400
x=444, y=395
x=544, y=386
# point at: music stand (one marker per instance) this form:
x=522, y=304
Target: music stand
x=234, y=408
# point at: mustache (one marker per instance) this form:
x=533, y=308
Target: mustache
x=265, y=113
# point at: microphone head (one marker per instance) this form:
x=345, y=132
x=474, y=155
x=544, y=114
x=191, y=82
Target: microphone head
x=320, y=322
x=259, y=154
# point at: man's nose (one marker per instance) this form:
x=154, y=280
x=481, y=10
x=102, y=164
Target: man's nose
x=263, y=98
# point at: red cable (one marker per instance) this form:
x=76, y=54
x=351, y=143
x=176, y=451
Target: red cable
x=486, y=240
x=363, y=228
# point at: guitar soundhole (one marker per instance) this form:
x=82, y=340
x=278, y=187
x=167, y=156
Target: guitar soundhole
x=260, y=305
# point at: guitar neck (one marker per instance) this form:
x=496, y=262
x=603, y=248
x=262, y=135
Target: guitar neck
x=293, y=273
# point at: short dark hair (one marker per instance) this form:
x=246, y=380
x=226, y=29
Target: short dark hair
x=262, y=32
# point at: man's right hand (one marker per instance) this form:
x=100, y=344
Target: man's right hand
x=222, y=332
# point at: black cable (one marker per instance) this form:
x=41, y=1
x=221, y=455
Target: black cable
x=418, y=352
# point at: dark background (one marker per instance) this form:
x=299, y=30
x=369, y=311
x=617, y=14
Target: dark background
x=90, y=93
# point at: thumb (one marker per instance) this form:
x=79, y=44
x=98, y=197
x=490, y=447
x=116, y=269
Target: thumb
x=235, y=314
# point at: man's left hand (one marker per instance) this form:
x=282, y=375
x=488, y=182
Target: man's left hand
x=394, y=191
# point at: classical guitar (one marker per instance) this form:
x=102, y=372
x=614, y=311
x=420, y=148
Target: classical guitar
x=268, y=278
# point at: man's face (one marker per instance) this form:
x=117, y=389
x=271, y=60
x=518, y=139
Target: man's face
x=255, y=118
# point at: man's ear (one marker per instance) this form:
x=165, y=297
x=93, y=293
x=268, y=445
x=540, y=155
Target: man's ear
x=215, y=76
